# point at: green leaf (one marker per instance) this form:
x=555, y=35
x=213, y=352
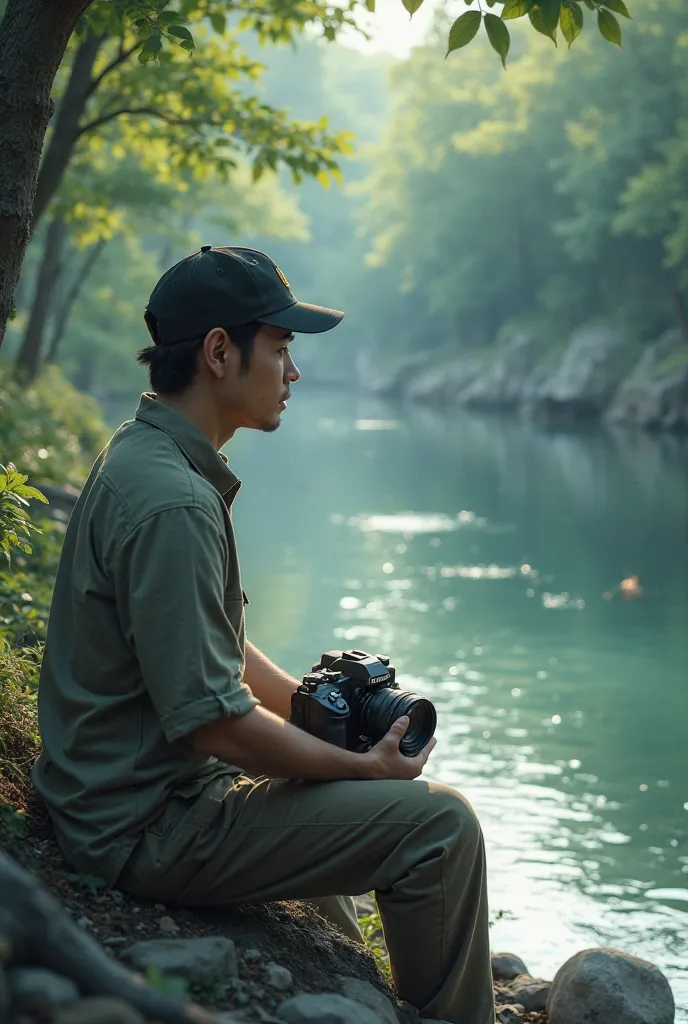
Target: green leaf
x=150, y=48
x=609, y=27
x=412, y=5
x=219, y=22
x=616, y=5
x=498, y=34
x=490, y=3
x=542, y=18
x=170, y=18
x=571, y=20
x=180, y=33
x=370, y=4
x=514, y=9
x=463, y=30
x=32, y=492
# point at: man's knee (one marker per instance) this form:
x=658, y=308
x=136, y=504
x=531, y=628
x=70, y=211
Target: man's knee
x=454, y=814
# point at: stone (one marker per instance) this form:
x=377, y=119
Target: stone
x=212, y=958
x=598, y=986
x=168, y=926
x=361, y=991
x=278, y=977
x=325, y=1009
x=655, y=393
x=530, y=992
x=442, y=385
x=506, y=966
x=99, y=1010
x=589, y=372
x=33, y=990
x=251, y=955
x=505, y=378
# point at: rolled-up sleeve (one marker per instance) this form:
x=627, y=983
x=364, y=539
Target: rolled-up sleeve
x=171, y=589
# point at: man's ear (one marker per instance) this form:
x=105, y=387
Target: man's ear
x=217, y=351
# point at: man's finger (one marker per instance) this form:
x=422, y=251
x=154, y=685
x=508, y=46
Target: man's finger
x=399, y=726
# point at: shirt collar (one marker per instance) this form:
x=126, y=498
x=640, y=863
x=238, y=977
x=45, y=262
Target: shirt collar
x=195, y=445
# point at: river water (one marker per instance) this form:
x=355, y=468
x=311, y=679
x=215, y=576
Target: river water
x=486, y=557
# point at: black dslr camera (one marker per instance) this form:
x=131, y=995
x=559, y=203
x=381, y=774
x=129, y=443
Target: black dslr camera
x=350, y=699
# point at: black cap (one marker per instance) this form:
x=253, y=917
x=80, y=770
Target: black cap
x=226, y=287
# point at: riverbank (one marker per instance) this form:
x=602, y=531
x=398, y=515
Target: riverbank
x=596, y=374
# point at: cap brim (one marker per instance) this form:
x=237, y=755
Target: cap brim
x=304, y=318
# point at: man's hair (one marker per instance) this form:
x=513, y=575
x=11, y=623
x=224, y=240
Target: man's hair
x=173, y=367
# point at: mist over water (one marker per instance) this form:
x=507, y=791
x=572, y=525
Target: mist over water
x=486, y=557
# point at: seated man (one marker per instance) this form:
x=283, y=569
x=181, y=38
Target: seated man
x=169, y=766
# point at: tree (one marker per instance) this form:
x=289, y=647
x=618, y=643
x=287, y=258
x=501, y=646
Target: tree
x=34, y=35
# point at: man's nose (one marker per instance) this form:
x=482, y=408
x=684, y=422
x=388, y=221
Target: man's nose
x=292, y=373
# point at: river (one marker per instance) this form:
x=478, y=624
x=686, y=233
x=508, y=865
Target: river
x=486, y=556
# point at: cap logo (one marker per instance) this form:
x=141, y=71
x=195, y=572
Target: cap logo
x=281, y=277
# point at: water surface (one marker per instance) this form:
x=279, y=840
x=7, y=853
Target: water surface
x=486, y=557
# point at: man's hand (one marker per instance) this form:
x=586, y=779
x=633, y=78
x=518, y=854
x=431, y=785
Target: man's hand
x=386, y=761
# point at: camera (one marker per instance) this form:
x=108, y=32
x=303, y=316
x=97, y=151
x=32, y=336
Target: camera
x=350, y=699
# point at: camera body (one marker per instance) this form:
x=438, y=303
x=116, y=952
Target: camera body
x=331, y=701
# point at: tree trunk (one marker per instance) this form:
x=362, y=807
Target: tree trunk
x=28, y=360
x=66, y=130
x=681, y=311
x=80, y=278
x=33, y=38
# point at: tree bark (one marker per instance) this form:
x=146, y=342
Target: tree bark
x=36, y=931
x=33, y=38
x=66, y=130
x=80, y=278
x=28, y=360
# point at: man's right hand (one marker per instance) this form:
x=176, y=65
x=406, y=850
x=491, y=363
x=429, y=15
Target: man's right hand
x=386, y=761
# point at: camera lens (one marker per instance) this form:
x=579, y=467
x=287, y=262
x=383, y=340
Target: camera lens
x=383, y=706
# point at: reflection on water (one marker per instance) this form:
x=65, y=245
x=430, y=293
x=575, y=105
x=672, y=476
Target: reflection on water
x=488, y=558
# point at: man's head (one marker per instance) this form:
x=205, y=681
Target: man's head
x=221, y=321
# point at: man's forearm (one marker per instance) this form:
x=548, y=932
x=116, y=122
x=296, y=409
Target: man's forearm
x=262, y=743
x=270, y=684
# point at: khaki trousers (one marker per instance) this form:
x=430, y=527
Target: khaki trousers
x=417, y=844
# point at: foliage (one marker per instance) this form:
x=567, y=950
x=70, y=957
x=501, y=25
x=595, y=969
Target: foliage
x=53, y=431
x=15, y=523
x=371, y=927
x=19, y=737
x=26, y=591
x=555, y=193
x=158, y=26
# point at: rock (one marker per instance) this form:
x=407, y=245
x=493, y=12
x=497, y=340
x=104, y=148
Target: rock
x=99, y=1010
x=442, y=385
x=509, y=1014
x=325, y=1009
x=589, y=372
x=278, y=977
x=212, y=958
x=530, y=992
x=168, y=926
x=84, y=922
x=363, y=992
x=655, y=393
x=33, y=990
x=506, y=966
x=506, y=379
x=598, y=986
x=393, y=381
x=251, y=955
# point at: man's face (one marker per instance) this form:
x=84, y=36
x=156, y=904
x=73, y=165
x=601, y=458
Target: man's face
x=257, y=398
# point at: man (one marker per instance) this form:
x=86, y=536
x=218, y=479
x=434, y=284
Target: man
x=169, y=766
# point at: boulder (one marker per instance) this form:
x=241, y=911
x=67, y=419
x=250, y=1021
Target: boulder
x=392, y=381
x=33, y=990
x=363, y=992
x=598, y=986
x=531, y=993
x=212, y=958
x=588, y=373
x=443, y=385
x=655, y=393
x=510, y=376
x=325, y=1009
x=506, y=966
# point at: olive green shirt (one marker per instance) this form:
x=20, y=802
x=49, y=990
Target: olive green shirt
x=145, y=639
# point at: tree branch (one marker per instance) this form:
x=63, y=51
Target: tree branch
x=151, y=112
x=119, y=59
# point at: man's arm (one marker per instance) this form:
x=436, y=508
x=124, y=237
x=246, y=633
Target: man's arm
x=261, y=743
x=270, y=684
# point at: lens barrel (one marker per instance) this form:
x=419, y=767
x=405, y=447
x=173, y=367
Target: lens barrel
x=383, y=705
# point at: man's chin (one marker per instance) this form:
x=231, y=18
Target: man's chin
x=270, y=426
